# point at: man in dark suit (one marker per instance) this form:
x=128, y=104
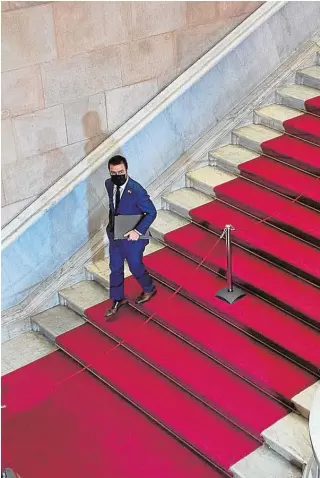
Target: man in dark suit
x=127, y=197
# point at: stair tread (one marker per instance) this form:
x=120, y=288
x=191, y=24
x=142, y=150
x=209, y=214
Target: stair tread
x=294, y=122
x=187, y=197
x=22, y=350
x=257, y=132
x=303, y=400
x=99, y=423
x=313, y=105
x=260, y=237
x=191, y=368
x=309, y=76
x=268, y=205
x=286, y=148
x=167, y=221
x=207, y=432
x=233, y=153
x=300, y=97
x=265, y=463
x=286, y=180
x=210, y=176
x=300, y=92
x=290, y=438
x=313, y=71
x=278, y=112
x=57, y=320
x=305, y=126
x=252, y=358
x=84, y=294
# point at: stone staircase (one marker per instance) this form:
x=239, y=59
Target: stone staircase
x=284, y=446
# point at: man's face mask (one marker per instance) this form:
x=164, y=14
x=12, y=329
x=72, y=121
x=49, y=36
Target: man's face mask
x=119, y=177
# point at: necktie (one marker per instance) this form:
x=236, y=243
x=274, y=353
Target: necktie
x=117, y=198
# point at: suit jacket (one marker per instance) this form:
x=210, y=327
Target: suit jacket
x=134, y=200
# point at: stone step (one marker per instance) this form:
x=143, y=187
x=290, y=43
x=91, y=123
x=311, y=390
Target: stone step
x=273, y=116
x=229, y=157
x=290, y=438
x=202, y=181
x=99, y=270
x=252, y=136
x=265, y=463
x=83, y=295
x=205, y=179
x=309, y=76
x=24, y=349
x=303, y=400
x=166, y=222
x=185, y=199
x=56, y=321
x=269, y=173
x=284, y=147
x=294, y=96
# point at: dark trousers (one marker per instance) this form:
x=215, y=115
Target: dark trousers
x=132, y=251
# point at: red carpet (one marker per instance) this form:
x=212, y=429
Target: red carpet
x=305, y=126
x=277, y=285
x=196, y=380
x=292, y=217
x=84, y=430
x=313, y=105
x=252, y=314
x=293, y=151
x=195, y=371
x=203, y=429
x=283, y=179
x=261, y=238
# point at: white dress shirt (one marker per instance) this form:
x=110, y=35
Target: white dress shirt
x=122, y=188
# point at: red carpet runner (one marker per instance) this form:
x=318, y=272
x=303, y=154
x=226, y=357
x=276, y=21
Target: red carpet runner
x=188, y=393
x=189, y=367
x=305, y=126
x=283, y=179
x=313, y=105
x=270, y=206
x=295, y=152
x=81, y=429
x=275, y=284
x=263, y=239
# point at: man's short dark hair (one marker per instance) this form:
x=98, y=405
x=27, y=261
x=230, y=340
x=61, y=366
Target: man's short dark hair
x=115, y=160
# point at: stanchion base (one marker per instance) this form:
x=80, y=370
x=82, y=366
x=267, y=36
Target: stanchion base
x=230, y=297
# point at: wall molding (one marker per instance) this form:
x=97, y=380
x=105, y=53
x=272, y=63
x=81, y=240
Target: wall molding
x=45, y=295
x=14, y=229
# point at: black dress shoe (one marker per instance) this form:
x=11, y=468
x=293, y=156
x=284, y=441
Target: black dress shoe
x=145, y=296
x=115, y=307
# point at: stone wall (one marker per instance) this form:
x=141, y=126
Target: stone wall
x=73, y=72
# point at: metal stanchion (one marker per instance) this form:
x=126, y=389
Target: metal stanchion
x=230, y=293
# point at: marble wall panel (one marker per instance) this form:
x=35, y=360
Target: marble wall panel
x=27, y=37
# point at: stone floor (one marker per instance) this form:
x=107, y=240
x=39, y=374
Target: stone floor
x=24, y=349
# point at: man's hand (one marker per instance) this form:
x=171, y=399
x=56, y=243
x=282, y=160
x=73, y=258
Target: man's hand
x=132, y=236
